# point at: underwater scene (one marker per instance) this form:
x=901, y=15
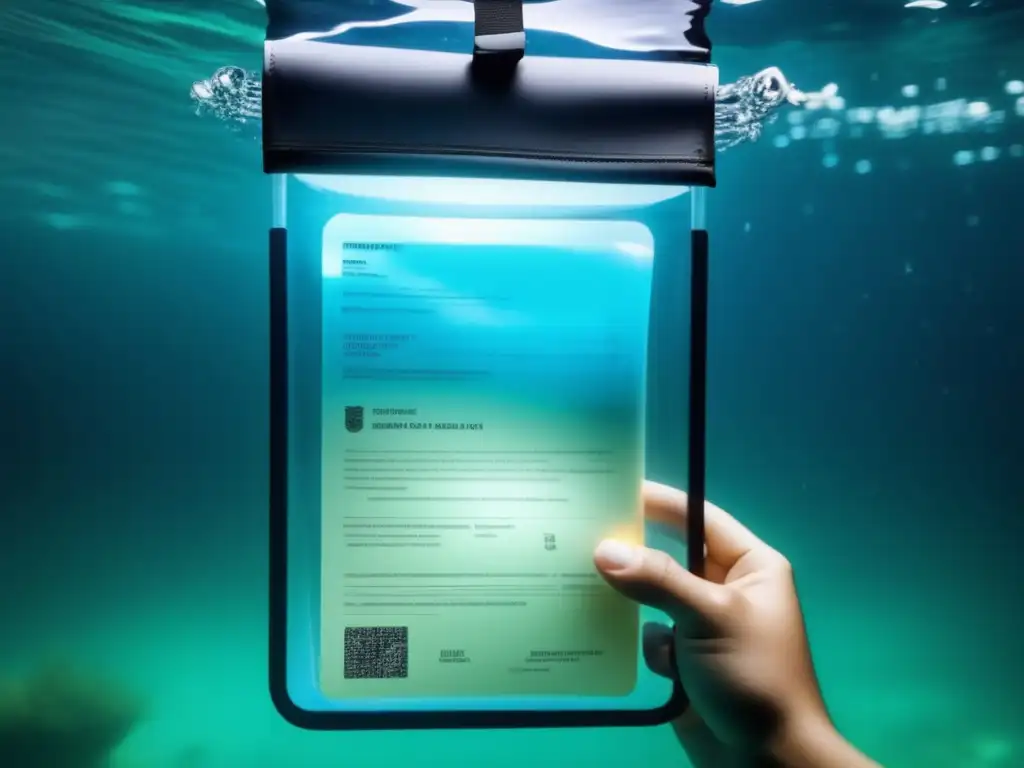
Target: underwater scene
x=865, y=393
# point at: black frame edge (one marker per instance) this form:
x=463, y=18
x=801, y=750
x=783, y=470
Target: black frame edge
x=278, y=473
x=697, y=437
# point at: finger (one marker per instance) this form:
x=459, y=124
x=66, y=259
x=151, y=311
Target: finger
x=715, y=572
x=658, y=643
x=654, y=578
x=727, y=540
x=700, y=744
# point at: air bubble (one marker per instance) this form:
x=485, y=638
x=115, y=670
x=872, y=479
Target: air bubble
x=963, y=157
x=862, y=166
x=910, y=91
x=978, y=109
x=830, y=160
x=862, y=115
x=826, y=128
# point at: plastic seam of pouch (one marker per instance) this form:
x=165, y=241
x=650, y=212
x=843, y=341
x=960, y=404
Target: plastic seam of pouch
x=699, y=158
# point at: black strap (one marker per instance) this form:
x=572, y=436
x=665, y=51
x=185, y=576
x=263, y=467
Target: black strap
x=499, y=32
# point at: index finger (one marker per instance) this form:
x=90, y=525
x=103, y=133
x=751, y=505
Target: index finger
x=726, y=538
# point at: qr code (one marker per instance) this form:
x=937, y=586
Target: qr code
x=376, y=653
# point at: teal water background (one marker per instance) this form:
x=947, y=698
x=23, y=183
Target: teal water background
x=866, y=417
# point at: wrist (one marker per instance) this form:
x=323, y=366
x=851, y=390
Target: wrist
x=811, y=741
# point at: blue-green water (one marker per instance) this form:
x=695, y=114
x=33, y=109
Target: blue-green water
x=867, y=364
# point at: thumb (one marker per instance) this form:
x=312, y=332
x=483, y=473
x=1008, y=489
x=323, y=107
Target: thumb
x=654, y=578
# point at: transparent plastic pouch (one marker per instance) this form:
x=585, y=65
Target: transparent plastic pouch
x=488, y=326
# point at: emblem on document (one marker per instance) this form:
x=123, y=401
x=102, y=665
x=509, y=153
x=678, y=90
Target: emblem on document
x=354, y=418
x=549, y=542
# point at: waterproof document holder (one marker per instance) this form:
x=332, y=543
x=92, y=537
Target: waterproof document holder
x=488, y=326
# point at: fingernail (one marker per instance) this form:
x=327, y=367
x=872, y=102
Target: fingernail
x=614, y=555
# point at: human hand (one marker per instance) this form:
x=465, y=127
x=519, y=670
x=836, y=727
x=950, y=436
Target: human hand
x=740, y=646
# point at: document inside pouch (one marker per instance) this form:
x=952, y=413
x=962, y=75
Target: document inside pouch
x=483, y=410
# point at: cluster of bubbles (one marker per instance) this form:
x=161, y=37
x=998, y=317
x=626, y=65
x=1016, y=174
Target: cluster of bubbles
x=744, y=108
x=232, y=95
x=979, y=122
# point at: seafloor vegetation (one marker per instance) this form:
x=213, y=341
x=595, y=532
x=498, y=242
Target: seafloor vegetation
x=58, y=716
